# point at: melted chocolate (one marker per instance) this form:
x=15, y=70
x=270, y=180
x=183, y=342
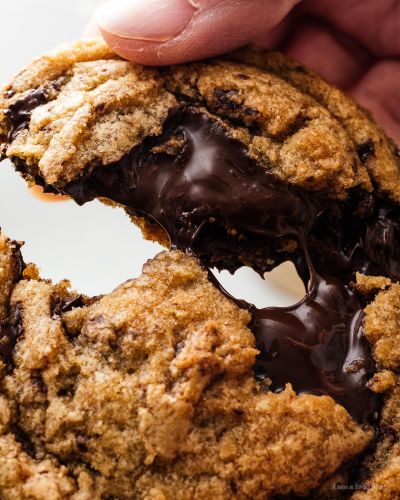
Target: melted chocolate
x=19, y=113
x=61, y=305
x=211, y=188
x=10, y=331
x=213, y=200
x=9, y=335
x=211, y=180
x=318, y=346
x=362, y=234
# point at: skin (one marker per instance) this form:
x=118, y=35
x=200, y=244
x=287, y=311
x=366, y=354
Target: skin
x=354, y=44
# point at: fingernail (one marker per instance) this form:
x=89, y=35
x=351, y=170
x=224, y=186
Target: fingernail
x=150, y=20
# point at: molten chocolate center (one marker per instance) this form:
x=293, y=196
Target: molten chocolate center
x=213, y=200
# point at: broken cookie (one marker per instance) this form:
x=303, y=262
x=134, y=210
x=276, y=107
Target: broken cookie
x=248, y=159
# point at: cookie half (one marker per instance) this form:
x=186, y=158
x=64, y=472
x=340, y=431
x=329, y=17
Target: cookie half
x=148, y=392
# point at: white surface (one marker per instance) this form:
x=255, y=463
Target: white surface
x=94, y=246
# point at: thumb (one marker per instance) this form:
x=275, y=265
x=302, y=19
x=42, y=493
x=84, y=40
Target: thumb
x=174, y=31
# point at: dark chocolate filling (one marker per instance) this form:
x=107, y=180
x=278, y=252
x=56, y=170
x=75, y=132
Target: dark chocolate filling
x=212, y=189
x=216, y=202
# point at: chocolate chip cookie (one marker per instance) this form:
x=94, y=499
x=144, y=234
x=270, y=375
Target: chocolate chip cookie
x=169, y=386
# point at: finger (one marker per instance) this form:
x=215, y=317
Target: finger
x=276, y=36
x=373, y=23
x=174, y=31
x=379, y=92
x=332, y=54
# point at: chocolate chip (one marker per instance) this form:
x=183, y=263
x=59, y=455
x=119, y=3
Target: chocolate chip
x=227, y=99
x=241, y=76
x=25, y=441
x=365, y=150
x=19, y=113
x=62, y=305
x=10, y=333
x=37, y=379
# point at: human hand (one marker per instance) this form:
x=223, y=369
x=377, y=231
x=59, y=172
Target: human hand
x=354, y=44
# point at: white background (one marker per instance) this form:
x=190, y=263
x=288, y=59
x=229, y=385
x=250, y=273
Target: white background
x=94, y=246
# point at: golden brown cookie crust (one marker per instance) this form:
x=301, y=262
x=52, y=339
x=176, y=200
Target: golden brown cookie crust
x=99, y=108
x=379, y=154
